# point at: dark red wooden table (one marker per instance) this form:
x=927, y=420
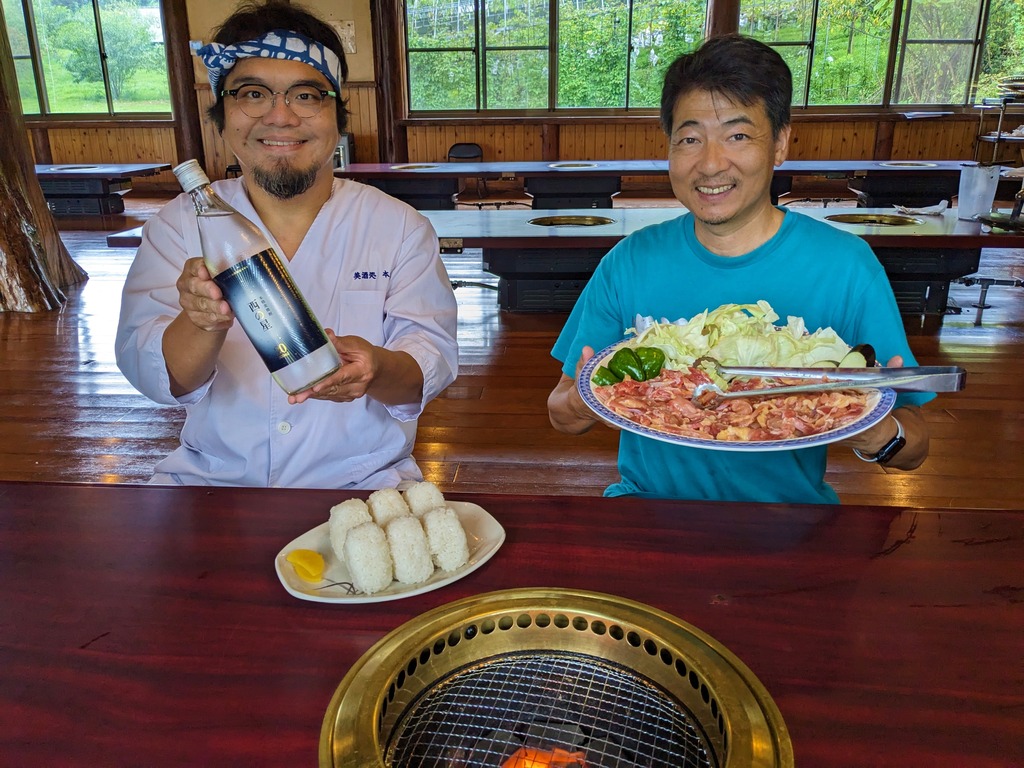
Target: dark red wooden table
x=146, y=626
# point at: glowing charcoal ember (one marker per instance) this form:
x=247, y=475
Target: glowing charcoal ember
x=525, y=757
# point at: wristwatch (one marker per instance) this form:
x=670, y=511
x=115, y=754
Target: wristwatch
x=890, y=449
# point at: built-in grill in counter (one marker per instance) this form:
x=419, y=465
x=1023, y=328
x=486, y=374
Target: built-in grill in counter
x=90, y=189
x=543, y=262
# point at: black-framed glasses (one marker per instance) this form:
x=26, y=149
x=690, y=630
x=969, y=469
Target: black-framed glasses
x=256, y=100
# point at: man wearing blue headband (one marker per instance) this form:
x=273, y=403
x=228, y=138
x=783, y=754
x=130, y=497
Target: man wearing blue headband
x=367, y=264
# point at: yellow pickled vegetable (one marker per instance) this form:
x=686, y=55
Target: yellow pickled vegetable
x=309, y=565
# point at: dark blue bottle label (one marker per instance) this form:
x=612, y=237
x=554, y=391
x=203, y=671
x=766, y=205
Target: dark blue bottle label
x=271, y=310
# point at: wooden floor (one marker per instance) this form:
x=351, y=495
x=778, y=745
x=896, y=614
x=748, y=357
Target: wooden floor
x=67, y=414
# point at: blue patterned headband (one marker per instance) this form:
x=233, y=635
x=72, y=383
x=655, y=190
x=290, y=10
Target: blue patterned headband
x=277, y=44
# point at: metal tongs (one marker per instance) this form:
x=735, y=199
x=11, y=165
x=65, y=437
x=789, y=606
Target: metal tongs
x=929, y=378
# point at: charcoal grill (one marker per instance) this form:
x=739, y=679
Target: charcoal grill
x=584, y=678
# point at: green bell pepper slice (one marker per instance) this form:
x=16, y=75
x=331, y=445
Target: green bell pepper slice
x=626, y=363
x=652, y=359
x=603, y=377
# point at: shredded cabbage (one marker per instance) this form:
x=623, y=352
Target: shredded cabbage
x=740, y=335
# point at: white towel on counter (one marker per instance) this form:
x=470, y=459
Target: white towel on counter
x=928, y=210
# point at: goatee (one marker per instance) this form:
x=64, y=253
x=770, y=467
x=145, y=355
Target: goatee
x=284, y=183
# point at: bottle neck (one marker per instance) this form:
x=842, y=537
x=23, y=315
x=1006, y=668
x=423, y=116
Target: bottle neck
x=207, y=202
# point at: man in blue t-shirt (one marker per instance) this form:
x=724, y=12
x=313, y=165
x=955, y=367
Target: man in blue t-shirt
x=726, y=110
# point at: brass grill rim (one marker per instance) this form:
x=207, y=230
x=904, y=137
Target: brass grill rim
x=875, y=219
x=743, y=724
x=564, y=220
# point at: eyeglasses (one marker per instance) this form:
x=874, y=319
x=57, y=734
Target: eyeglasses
x=257, y=100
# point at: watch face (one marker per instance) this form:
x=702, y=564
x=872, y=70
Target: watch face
x=890, y=449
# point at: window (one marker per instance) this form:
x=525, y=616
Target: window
x=547, y=55
x=88, y=57
x=839, y=50
x=511, y=55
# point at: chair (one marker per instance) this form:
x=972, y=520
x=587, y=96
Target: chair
x=469, y=152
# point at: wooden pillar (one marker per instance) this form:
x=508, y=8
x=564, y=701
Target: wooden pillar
x=387, y=19
x=723, y=17
x=188, y=129
x=34, y=264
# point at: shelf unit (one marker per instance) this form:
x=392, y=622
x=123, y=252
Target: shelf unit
x=998, y=137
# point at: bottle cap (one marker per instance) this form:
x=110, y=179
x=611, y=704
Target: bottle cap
x=191, y=175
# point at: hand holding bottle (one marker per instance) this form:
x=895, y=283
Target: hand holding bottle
x=387, y=376
x=353, y=379
x=202, y=299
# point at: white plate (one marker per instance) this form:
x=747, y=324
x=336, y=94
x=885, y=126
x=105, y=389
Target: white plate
x=880, y=402
x=484, y=535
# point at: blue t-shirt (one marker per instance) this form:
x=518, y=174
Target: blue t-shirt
x=809, y=269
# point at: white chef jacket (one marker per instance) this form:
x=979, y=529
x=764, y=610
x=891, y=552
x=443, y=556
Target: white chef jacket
x=369, y=267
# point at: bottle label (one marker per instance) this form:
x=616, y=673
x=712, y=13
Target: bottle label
x=271, y=309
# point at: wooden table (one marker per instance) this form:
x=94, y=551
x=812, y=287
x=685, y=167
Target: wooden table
x=90, y=189
x=544, y=268
x=592, y=184
x=146, y=626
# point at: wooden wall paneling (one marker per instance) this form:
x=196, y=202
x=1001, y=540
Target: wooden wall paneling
x=796, y=142
x=566, y=141
x=551, y=137
x=518, y=140
x=948, y=139
x=435, y=143
x=831, y=141
x=864, y=145
x=633, y=141
x=574, y=140
x=412, y=135
x=362, y=121
x=579, y=151
x=805, y=141
x=116, y=145
x=218, y=158
x=622, y=148
x=594, y=141
x=655, y=142
x=847, y=136
x=496, y=141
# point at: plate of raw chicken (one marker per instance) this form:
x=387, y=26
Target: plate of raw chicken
x=662, y=408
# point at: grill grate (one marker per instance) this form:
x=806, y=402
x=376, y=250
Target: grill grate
x=481, y=715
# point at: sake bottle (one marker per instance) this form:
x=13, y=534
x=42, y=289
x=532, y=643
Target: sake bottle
x=256, y=284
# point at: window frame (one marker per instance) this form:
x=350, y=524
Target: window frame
x=47, y=117
x=722, y=17
x=480, y=50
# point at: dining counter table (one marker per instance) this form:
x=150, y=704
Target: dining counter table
x=146, y=625
x=593, y=183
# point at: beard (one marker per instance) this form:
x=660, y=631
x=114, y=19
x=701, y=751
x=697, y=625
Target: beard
x=284, y=183
x=711, y=221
